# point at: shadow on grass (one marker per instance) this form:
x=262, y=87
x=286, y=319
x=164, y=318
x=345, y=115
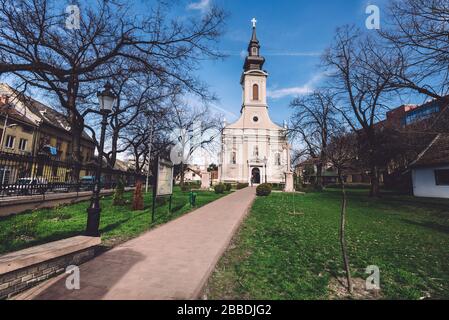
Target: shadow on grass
x=115, y=225
x=54, y=237
x=429, y=225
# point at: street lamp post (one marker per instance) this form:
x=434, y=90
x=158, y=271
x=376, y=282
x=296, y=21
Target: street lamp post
x=106, y=99
x=265, y=160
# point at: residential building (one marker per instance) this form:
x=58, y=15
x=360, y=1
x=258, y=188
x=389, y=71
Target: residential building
x=30, y=128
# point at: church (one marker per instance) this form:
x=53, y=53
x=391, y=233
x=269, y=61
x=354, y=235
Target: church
x=254, y=149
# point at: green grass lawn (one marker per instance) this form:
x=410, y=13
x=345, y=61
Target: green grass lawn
x=118, y=223
x=281, y=255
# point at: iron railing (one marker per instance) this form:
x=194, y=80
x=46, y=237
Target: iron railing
x=25, y=174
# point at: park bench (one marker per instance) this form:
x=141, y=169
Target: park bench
x=23, y=269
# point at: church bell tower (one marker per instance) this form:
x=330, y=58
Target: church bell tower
x=254, y=78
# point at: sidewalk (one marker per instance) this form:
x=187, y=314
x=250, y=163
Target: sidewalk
x=172, y=261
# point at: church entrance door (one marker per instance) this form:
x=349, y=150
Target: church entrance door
x=255, y=176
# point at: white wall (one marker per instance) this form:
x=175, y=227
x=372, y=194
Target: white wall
x=424, y=183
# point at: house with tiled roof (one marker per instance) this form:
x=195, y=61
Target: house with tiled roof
x=53, y=135
x=430, y=171
x=31, y=128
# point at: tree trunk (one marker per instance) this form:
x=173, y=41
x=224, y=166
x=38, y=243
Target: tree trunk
x=114, y=143
x=76, y=126
x=374, y=188
x=319, y=176
x=76, y=149
x=342, y=234
x=182, y=174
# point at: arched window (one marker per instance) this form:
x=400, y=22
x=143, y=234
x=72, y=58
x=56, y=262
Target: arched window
x=233, y=157
x=254, y=51
x=255, y=92
x=277, y=159
x=256, y=151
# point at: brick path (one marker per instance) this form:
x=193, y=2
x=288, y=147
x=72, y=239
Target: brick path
x=172, y=261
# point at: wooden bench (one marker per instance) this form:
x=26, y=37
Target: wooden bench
x=23, y=269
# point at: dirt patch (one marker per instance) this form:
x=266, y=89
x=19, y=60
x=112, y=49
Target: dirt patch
x=338, y=290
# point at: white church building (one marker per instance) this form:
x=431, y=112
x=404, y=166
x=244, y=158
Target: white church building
x=254, y=149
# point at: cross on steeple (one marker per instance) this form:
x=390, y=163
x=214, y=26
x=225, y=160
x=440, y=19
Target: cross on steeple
x=254, y=21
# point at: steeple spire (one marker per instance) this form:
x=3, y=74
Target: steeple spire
x=254, y=61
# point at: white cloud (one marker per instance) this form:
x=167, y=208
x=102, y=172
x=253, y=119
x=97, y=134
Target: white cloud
x=201, y=5
x=295, y=91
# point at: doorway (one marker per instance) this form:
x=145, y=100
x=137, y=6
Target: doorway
x=255, y=176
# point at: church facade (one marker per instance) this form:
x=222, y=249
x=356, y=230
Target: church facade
x=254, y=149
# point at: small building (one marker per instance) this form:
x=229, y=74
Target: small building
x=430, y=171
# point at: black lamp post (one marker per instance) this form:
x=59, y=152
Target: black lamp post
x=106, y=99
x=265, y=160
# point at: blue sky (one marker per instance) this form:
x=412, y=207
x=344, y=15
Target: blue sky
x=292, y=33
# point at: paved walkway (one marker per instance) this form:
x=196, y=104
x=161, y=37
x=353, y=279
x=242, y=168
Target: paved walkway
x=172, y=261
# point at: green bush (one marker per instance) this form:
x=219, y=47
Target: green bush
x=118, y=199
x=186, y=188
x=263, y=189
x=228, y=186
x=219, y=188
x=278, y=186
x=242, y=185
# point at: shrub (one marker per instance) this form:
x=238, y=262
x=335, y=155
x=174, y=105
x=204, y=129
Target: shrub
x=278, y=186
x=228, y=186
x=242, y=185
x=219, y=188
x=118, y=199
x=186, y=188
x=138, y=197
x=263, y=189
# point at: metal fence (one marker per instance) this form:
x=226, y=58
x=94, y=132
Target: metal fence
x=23, y=174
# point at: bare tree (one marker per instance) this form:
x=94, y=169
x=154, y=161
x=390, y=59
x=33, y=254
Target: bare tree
x=37, y=48
x=313, y=121
x=417, y=32
x=342, y=153
x=194, y=129
x=354, y=64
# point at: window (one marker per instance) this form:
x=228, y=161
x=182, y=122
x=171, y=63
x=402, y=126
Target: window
x=233, y=157
x=23, y=144
x=256, y=151
x=10, y=142
x=255, y=119
x=254, y=51
x=277, y=159
x=255, y=92
x=442, y=177
x=4, y=175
